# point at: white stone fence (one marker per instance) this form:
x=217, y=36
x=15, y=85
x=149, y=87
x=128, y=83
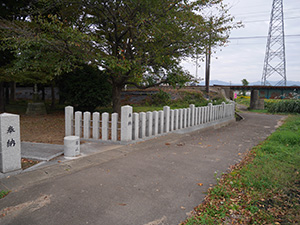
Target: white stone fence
x=139, y=126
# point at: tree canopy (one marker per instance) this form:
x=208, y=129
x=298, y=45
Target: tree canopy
x=137, y=42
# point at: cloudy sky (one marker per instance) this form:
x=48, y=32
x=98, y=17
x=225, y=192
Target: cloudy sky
x=244, y=58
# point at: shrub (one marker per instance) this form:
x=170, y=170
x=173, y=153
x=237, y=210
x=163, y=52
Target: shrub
x=161, y=98
x=85, y=88
x=283, y=106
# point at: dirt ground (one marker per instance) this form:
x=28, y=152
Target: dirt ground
x=43, y=129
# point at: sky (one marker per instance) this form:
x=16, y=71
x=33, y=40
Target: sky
x=244, y=58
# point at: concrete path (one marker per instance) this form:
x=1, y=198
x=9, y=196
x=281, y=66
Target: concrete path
x=149, y=183
x=40, y=151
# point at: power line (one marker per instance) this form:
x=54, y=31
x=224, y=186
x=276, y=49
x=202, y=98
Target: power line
x=262, y=43
x=260, y=37
x=265, y=12
x=255, y=21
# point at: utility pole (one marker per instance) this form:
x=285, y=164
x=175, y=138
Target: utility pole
x=208, y=58
x=207, y=66
x=275, y=63
x=196, y=67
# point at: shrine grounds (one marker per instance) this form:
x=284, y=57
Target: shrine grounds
x=158, y=181
x=260, y=186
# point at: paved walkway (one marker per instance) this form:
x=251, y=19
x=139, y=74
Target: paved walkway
x=149, y=183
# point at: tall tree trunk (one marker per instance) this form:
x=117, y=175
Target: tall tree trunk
x=43, y=93
x=116, y=98
x=7, y=93
x=52, y=95
x=2, y=99
x=207, y=68
x=12, y=91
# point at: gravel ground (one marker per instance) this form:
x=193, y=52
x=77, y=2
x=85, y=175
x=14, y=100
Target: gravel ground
x=43, y=129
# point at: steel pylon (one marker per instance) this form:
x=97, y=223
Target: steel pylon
x=275, y=64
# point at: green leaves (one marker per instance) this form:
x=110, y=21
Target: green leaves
x=138, y=42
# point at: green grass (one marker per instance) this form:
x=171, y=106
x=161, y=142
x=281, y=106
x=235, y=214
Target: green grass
x=3, y=193
x=259, y=110
x=243, y=101
x=263, y=189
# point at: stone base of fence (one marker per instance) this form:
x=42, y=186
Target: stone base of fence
x=211, y=125
x=202, y=127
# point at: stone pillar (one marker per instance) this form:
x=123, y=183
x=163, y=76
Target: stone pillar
x=126, y=123
x=255, y=101
x=223, y=110
x=185, y=117
x=192, y=122
x=206, y=114
x=135, y=134
x=180, y=119
x=171, y=120
x=161, y=121
x=188, y=123
x=200, y=115
x=86, y=125
x=78, y=123
x=196, y=116
x=149, y=121
x=210, y=107
x=176, y=112
x=96, y=124
x=167, y=119
x=155, y=123
x=114, y=126
x=10, y=143
x=69, y=110
x=142, y=125
x=105, y=125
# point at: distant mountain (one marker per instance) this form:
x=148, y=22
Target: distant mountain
x=219, y=82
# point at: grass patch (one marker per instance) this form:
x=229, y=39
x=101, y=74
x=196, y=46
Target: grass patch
x=243, y=100
x=3, y=193
x=259, y=110
x=263, y=189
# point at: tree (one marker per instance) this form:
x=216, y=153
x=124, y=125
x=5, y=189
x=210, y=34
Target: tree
x=85, y=88
x=137, y=42
x=9, y=10
x=245, y=83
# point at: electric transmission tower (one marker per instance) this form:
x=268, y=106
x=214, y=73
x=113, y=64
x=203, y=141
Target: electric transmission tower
x=275, y=64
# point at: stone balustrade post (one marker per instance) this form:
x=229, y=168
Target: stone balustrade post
x=69, y=110
x=126, y=123
x=167, y=119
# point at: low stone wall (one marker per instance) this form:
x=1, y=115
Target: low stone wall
x=134, y=127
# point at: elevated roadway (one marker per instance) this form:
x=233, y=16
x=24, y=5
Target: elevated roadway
x=265, y=92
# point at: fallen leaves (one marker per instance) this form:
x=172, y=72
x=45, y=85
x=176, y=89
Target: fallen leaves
x=26, y=163
x=43, y=129
x=200, y=184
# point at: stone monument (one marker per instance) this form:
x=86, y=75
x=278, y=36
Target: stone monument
x=10, y=143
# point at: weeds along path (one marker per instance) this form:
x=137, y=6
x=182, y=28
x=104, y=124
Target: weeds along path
x=264, y=187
